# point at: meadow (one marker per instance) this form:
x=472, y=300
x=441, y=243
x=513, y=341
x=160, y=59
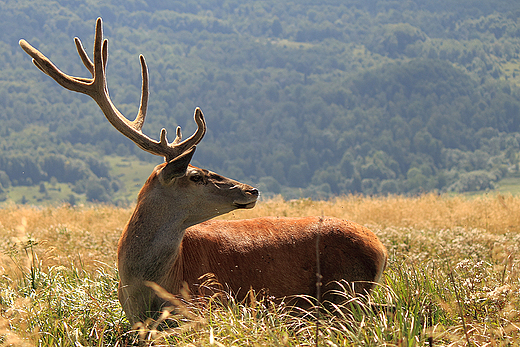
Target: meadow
x=453, y=279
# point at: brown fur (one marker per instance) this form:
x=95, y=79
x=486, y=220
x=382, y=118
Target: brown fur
x=278, y=254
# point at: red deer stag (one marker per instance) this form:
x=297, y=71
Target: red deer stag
x=169, y=240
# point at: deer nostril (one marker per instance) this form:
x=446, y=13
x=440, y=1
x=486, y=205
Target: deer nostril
x=252, y=191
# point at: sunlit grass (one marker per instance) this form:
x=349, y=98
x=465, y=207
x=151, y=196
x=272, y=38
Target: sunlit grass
x=33, y=195
x=511, y=71
x=453, y=278
x=293, y=44
x=509, y=185
x=130, y=170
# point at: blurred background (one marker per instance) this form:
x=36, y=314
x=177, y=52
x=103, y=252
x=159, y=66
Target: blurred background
x=304, y=99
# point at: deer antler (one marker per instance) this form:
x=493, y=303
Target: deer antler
x=96, y=88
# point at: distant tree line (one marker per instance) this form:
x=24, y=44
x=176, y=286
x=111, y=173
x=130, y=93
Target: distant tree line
x=84, y=172
x=303, y=99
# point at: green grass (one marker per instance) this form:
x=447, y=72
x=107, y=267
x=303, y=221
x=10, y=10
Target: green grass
x=132, y=172
x=511, y=70
x=293, y=44
x=53, y=193
x=509, y=185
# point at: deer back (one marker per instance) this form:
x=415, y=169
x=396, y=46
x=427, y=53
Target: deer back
x=278, y=255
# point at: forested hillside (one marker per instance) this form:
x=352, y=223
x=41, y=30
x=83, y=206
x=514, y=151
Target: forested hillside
x=302, y=98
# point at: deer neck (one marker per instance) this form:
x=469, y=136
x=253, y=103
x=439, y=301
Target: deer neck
x=151, y=241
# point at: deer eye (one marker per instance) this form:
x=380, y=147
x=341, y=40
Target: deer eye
x=196, y=178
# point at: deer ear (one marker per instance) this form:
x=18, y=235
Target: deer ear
x=176, y=167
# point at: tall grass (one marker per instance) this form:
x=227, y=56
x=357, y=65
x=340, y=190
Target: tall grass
x=452, y=279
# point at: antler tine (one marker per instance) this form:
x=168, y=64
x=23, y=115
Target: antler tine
x=176, y=148
x=194, y=139
x=141, y=115
x=47, y=67
x=178, y=135
x=100, y=46
x=105, y=55
x=83, y=55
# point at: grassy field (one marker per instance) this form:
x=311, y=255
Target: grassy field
x=453, y=278
x=129, y=170
x=511, y=71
